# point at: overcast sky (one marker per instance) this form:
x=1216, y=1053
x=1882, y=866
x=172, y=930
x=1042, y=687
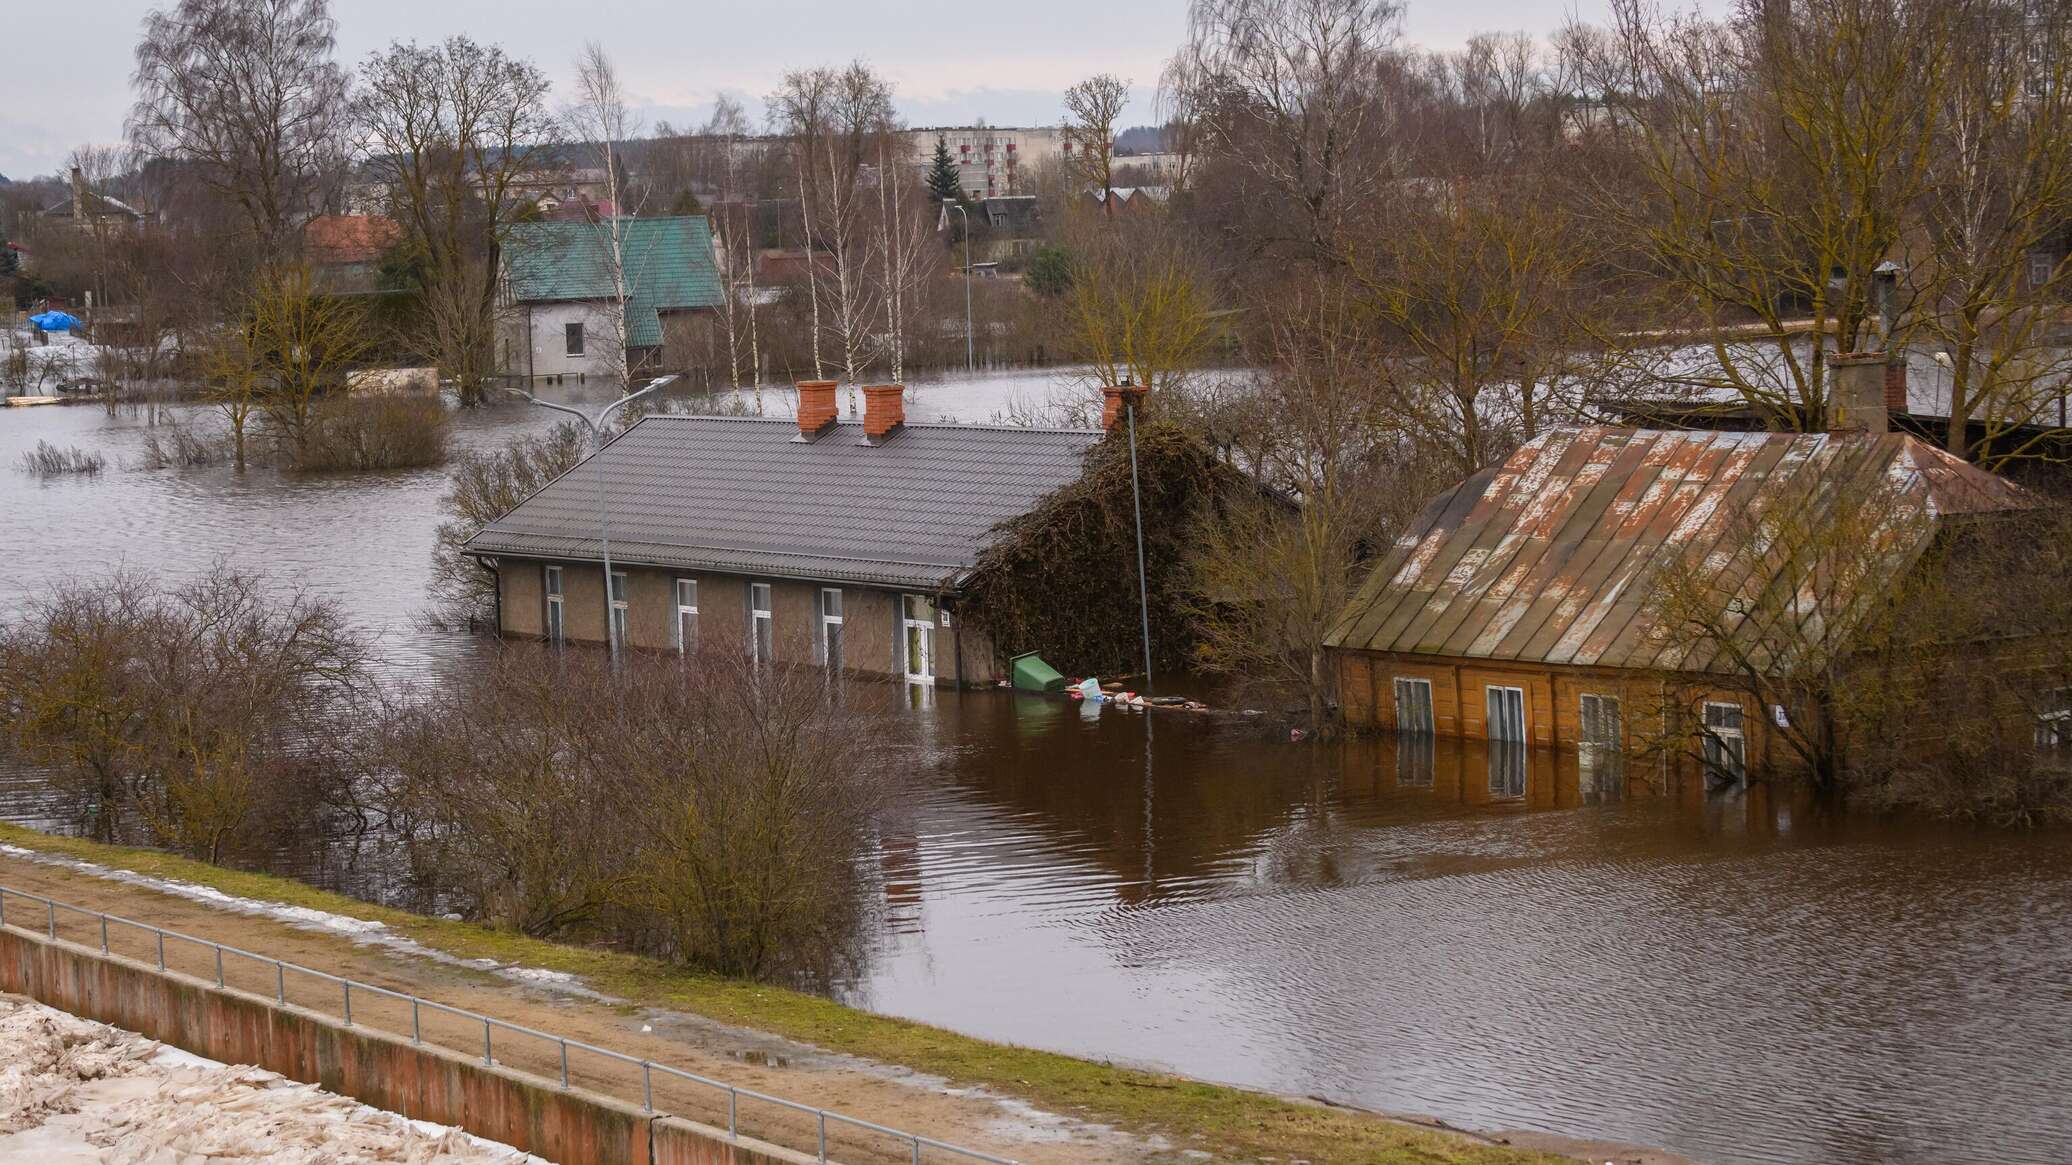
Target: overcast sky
x=67, y=82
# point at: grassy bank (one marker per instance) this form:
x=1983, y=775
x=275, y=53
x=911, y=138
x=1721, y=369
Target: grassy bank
x=1230, y=1123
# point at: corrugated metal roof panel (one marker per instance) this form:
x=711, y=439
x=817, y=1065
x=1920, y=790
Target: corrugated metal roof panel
x=1552, y=555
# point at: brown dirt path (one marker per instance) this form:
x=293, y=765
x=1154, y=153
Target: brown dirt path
x=746, y=1059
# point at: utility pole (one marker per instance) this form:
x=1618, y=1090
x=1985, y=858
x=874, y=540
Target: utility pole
x=949, y=204
x=1129, y=405
x=604, y=534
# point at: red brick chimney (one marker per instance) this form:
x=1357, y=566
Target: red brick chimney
x=1112, y=399
x=884, y=410
x=816, y=406
x=1896, y=384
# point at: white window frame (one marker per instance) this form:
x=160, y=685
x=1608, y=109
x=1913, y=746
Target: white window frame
x=922, y=625
x=622, y=622
x=1724, y=748
x=762, y=619
x=831, y=629
x=1414, y=706
x=1493, y=694
x=552, y=581
x=1591, y=722
x=686, y=615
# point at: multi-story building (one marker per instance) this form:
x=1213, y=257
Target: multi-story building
x=993, y=160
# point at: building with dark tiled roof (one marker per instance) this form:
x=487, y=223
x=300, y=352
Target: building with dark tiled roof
x=814, y=540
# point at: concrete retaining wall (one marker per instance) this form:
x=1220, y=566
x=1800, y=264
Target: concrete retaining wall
x=389, y=1072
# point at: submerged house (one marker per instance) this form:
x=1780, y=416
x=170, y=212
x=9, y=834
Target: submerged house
x=560, y=292
x=1517, y=607
x=812, y=541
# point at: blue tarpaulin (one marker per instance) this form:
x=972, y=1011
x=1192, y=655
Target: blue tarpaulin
x=55, y=321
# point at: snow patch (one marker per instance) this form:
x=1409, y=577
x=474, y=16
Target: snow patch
x=358, y=930
x=74, y=1092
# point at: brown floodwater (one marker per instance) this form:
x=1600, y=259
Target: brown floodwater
x=1507, y=942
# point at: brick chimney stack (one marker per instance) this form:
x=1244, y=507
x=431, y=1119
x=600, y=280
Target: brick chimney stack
x=884, y=410
x=1112, y=403
x=1896, y=384
x=1859, y=389
x=816, y=407
x=78, y=196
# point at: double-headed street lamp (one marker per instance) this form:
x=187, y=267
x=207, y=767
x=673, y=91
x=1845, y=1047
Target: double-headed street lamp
x=604, y=534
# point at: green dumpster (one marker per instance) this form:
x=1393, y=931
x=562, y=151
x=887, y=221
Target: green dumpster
x=1031, y=674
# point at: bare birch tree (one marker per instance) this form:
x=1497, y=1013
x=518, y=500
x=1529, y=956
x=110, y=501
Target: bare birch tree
x=1092, y=109
x=601, y=119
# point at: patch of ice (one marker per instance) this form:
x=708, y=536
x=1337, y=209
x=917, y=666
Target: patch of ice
x=74, y=1091
x=359, y=930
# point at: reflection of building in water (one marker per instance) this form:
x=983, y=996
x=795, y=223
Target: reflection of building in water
x=899, y=864
x=1507, y=770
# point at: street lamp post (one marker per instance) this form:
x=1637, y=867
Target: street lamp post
x=604, y=534
x=949, y=204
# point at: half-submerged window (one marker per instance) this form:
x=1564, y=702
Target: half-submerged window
x=554, y=601
x=831, y=629
x=762, y=624
x=687, y=615
x=1601, y=748
x=1602, y=727
x=1413, y=706
x=1726, y=742
x=1507, y=714
x=619, y=609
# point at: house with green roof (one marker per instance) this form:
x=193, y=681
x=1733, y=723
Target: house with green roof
x=561, y=299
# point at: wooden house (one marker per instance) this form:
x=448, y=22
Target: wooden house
x=1517, y=607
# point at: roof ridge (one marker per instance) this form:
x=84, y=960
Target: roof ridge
x=858, y=421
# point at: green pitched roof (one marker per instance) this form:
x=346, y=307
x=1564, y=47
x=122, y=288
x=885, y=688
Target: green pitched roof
x=669, y=266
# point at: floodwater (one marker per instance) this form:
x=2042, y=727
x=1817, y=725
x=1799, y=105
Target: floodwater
x=1517, y=944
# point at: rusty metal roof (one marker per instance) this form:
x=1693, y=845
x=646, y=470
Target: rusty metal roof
x=1551, y=556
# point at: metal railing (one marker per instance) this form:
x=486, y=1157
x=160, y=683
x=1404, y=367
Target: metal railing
x=911, y=1145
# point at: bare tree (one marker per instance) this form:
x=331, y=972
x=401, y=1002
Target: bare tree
x=451, y=129
x=1286, y=90
x=246, y=94
x=1779, y=154
x=1990, y=270
x=600, y=117
x=836, y=120
x=1092, y=109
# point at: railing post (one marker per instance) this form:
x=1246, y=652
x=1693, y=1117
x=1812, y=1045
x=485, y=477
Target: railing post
x=823, y=1136
x=280, y=982
x=917, y=1151
x=161, y=947
x=485, y=1041
x=564, y=1063
x=104, y=934
x=219, y=963
x=53, y=916
x=347, y=986
x=733, y=1114
x=416, y=1029
x=647, y=1086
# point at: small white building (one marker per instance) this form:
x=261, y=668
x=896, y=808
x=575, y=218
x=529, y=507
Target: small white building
x=560, y=297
